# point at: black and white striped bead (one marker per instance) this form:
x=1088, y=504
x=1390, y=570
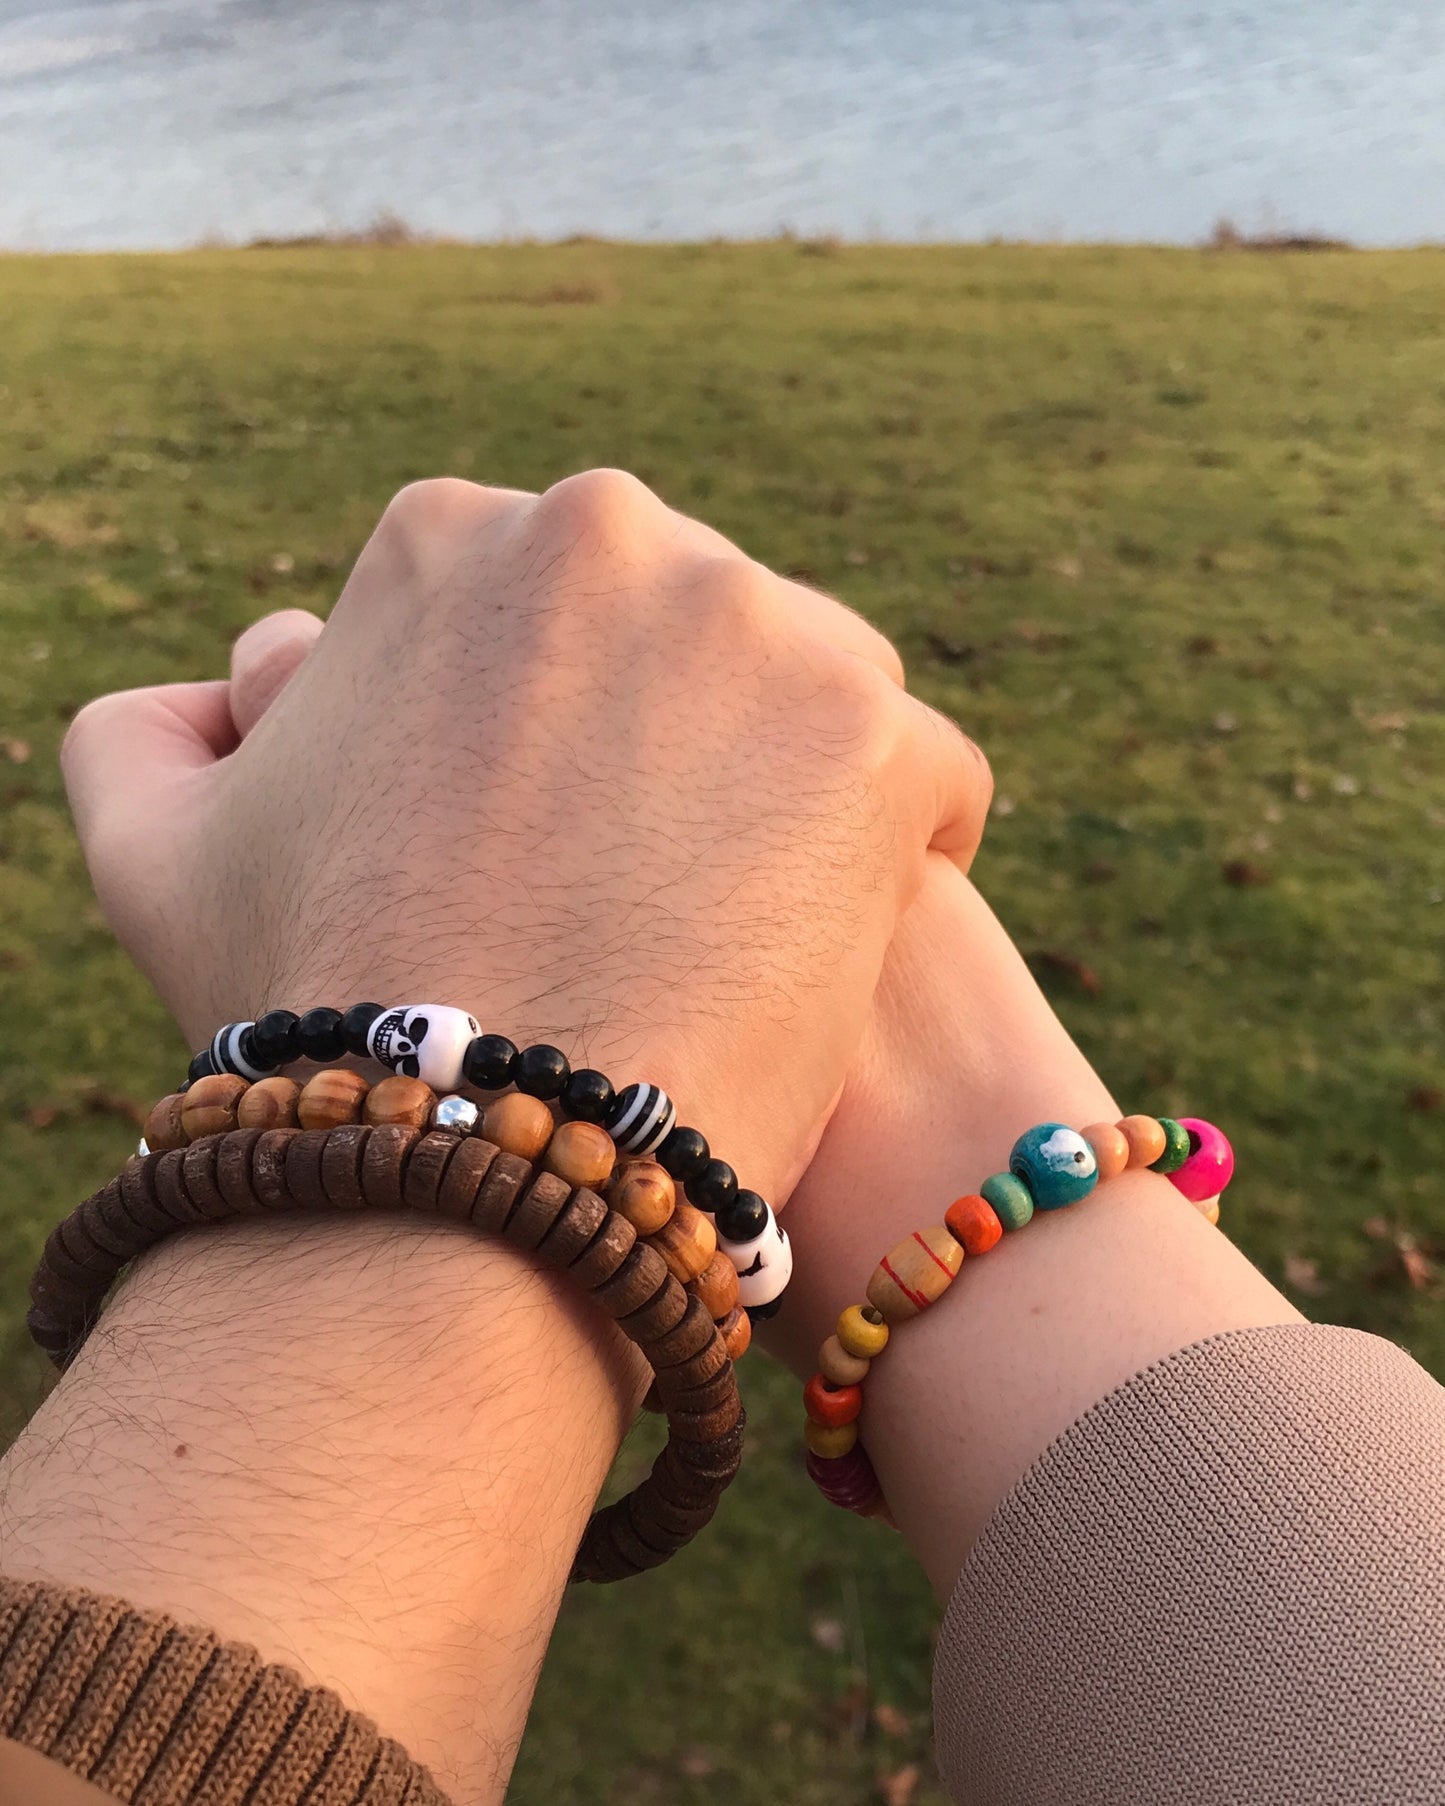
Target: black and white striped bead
x=227, y=1055
x=642, y=1119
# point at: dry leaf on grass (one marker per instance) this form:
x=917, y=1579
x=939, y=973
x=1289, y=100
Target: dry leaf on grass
x=898, y=1788
x=1301, y=1274
x=891, y=1721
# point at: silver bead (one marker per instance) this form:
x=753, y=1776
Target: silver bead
x=142, y=1147
x=458, y=1113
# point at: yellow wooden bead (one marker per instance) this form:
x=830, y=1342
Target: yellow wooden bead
x=1111, y=1148
x=1146, y=1138
x=400, y=1102
x=209, y=1107
x=163, y=1127
x=643, y=1192
x=1208, y=1209
x=830, y=1440
x=687, y=1241
x=518, y=1124
x=839, y=1367
x=914, y=1274
x=269, y=1104
x=862, y=1331
x=582, y=1154
x=331, y=1098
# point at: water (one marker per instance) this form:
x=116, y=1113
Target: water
x=165, y=122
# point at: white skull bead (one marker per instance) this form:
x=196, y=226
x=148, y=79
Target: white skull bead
x=423, y=1041
x=764, y=1264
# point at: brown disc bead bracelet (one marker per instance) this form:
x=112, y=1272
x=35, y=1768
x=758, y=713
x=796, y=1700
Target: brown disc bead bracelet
x=240, y=1173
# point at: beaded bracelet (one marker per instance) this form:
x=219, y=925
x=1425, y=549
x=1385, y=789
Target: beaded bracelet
x=582, y=1154
x=445, y=1046
x=242, y=1173
x=1050, y=1166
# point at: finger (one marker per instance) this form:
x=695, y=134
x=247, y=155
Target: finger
x=124, y=752
x=263, y=661
x=950, y=781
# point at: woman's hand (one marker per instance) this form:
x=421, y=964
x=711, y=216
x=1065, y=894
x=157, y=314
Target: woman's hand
x=571, y=761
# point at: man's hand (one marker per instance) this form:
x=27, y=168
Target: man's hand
x=571, y=761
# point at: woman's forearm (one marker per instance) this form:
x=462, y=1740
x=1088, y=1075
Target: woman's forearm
x=963, y=1055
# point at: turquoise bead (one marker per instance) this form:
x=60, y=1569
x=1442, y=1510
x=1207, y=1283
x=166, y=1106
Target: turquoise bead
x=1012, y=1202
x=1056, y=1163
x=1177, y=1146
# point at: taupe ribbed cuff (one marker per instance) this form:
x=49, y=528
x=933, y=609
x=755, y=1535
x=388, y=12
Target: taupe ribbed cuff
x=1223, y=1586
x=158, y=1714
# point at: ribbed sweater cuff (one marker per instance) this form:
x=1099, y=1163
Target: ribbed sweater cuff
x=159, y=1714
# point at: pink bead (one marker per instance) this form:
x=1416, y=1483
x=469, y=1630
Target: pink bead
x=1210, y=1167
x=849, y=1480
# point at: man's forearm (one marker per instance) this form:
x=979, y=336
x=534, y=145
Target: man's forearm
x=366, y=1448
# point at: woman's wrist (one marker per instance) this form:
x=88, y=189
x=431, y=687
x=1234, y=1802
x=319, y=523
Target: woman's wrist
x=367, y=1449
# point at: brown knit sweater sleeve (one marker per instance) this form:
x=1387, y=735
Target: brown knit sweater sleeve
x=1223, y=1586
x=158, y=1714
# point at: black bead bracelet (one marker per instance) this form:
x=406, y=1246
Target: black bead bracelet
x=446, y=1048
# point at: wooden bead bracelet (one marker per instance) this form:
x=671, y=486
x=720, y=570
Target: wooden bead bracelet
x=445, y=1048
x=259, y=1172
x=581, y=1153
x=1050, y=1166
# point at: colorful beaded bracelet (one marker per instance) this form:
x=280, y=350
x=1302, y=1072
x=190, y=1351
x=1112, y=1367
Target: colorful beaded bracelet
x=1050, y=1166
x=581, y=1153
x=240, y=1173
x=445, y=1048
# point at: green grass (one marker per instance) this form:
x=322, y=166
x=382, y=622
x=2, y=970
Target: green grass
x=1165, y=530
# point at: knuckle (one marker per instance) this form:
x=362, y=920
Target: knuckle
x=89, y=728
x=606, y=506
x=431, y=506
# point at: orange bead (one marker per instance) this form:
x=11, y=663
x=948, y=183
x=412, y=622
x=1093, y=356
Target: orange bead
x=687, y=1241
x=839, y=1367
x=163, y=1127
x=331, y=1098
x=269, y=1104
x=209, y=1107
x=644, y=1193
x=736, y=1330
x=582, y=1154
x=518, y=1124
x=914, y=1274
x=716, y=1286
x=400, y=1102
x=1146, y=1139
x=973, y=1222
x=829, y=1441
x=1111, y=1148
x=831, y=1404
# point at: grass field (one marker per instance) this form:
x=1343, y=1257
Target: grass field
x=1165, y=529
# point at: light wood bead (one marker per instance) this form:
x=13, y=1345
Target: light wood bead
x=839, y=1367
x=863, y=1331
x=644, y=1193
x=402, y=1102
x=518, y=1124
x=914, y=1274
x=164, y=1129
x=829, y=1441
x=1209, y=1210
x=331, y=1099
x=1111, y=1148
x=582, y=1154
x=1146, y=1139
x=687, y=1241
x=209, y=1107
x=716, y=1286
x=736, y=1330
x=269, y=1104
